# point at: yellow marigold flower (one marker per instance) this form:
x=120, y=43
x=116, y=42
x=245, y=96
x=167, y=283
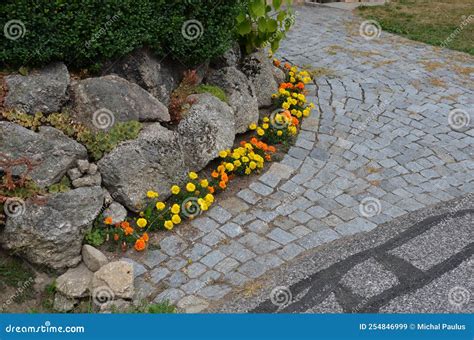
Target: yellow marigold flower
x=282, y=91
x=141, y=222
x=176, y=219
x=204, y=183
x=223, y=154
x=237, y=163
x=266, y=119
x=220, y=169
x=190, y=187
x=311, y=105
x=294, y=69
x=292, y=80
x=265, y=126
x=160, y=205
x=209, y=198
x=291, y=73
x=279, y=133
x=301, y=97
x=294, y=94
x=306, y=80
x=285, y=106
x=245, y=159
x=252, y=165
x=252, y=126
x=175, y=209
x=169, y=225
x=151, y=194
x=274, y=96
x=260, y=132
x=299, y=114
x=306, y=113
x=193, y=175
x=203, y=205
x=175, y=189
x=247, y=171
x=248, y=146
x=229, y=166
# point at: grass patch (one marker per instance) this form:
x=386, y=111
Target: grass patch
x=214, y=90
x=448, y=23
x=14, y=272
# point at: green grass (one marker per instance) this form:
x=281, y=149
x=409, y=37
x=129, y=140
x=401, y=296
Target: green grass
x=214, y=90
x=13, y=272
x=440, y=23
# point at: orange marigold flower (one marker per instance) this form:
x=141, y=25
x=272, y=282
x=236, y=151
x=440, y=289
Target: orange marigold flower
x=268, y=157
x=211, y=189
x=215, y=174
x=224, y=177
x=128, y=231
x=125, y=224
x=116, y=237
x=254, y=140
x=300, y=85
x=221, y=169
x=295, y=121
x=276, y=63
x=271, y=148
x=222, y=185
x=242, y=143
x=108, y=220
x=140, y=244
x=287, y=66
x=145, y=237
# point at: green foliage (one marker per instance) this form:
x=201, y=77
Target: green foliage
x=216, y=91
x=95, y=237
x=261, y=24
x=88, y=32
x=97, y=143
x=63, y=186
x=152, y=308
x=14, y=272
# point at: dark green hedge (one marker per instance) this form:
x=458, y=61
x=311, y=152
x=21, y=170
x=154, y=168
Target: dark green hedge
x=86, y=32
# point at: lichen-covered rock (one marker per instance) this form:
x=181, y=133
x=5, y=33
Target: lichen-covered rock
x=53, y=151
x=230, y=58
x=63, y=304
x=116, y=278
x=100, y=102
x=42, y=90
x=51, y=233
x=259, y=69
x=207, y=129
x=93, y=258
x=153, y=161
x=75, y=283
x=240, y=93
x=159, y=78
x=87, y=181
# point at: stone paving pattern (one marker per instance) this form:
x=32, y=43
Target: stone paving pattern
x=381, y=133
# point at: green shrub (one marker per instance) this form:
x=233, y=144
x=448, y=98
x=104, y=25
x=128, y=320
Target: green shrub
x=260, y=24
x=83, y=33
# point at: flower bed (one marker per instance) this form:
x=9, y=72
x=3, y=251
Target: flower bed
x=197, y=195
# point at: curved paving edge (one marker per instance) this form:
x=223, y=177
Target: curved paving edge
x=383, y=141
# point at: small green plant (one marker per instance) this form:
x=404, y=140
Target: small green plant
x=63, y=186
x=153, y=308
x=214, y=90
x=261, y=24
x=95, y=237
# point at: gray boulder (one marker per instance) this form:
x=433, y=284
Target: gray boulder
x=159, y=78
x=153, y=161
x=63, y=304
x=230, y=58
x=259, y=69
x=75, y=283
x=51, y=233
x=207, y=129
x=240, y=93
x=87, y=181
x=93, y=258
x=42, y=90
x=115, y=279
x=100, y=102
x=116, y=211
x=54, y=152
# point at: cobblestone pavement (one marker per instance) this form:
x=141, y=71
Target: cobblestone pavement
x=413, y=264
x=382, y=146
